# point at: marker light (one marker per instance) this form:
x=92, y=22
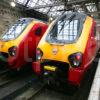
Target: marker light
x=12, y=51
x=75, y=59
x=39, y=54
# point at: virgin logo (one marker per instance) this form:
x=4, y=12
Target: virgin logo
x=55, y=50
x=1, y=45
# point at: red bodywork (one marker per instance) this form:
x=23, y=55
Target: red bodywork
x=75, y=75
x=26, y=51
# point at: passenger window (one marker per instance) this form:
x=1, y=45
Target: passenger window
x=38, y=31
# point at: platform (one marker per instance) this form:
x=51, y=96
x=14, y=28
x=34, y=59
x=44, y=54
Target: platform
x=95, y=89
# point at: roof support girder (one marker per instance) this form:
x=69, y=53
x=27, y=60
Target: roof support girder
x=59, y=4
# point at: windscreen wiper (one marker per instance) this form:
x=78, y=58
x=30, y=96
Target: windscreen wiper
x=70, y=19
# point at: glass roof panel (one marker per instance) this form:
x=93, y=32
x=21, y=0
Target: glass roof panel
x=21, y=1
x=44, y=10
x=91, y=7
x=32, y=3
x=55, y=10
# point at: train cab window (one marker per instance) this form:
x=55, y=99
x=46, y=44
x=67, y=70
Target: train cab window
x=14, y=31
x=69, y=31
x=38, y=31
x=66, y=30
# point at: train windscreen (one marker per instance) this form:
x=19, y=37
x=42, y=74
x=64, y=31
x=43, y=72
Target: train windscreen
x=66, y=29
x=15, y=30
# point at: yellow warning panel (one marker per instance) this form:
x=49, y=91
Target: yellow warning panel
x=50, y=68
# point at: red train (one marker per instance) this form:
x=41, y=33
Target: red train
x=18, y=43
x=67, y=49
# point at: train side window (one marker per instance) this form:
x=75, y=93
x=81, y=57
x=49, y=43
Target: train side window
x=38, y=31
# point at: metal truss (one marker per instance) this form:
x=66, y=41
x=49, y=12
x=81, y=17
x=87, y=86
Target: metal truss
x=57, y=7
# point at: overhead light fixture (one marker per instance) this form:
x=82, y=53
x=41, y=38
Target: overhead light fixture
x=13, y=4
x=50, y=19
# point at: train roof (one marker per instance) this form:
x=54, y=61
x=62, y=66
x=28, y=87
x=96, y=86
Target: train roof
x=29, y=19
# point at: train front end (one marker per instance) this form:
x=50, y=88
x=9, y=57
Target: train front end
x=62, y=54
x=18, y=43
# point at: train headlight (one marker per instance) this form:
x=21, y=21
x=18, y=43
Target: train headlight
x=12, y=51
x=39, y=54
x=75, y=59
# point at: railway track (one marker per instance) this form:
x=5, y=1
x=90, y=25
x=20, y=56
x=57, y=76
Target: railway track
x=11, y=86
x=31, y=92
x=4, y=80
x=11, y=90
x=3, y=72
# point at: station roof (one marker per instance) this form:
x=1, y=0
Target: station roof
x=56, y=8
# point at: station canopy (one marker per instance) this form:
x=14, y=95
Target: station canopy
x=56, y=8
